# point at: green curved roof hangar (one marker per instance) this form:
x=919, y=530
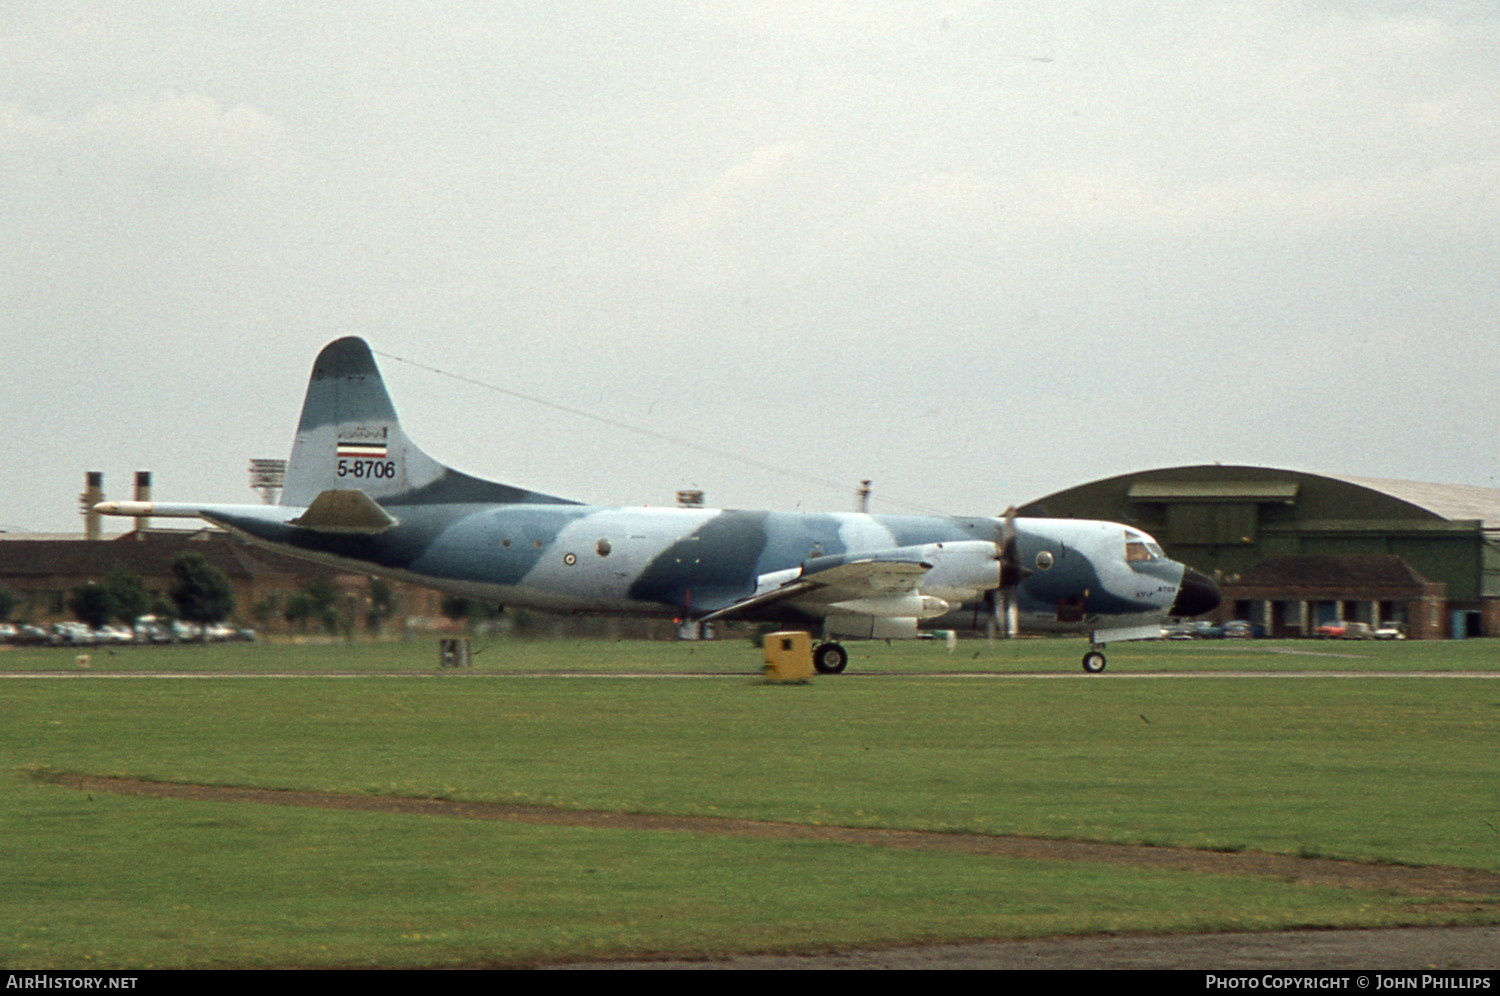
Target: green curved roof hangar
x=1273, y=531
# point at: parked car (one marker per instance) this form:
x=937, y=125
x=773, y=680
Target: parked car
x=1202, y=629
x=114, y=634
x=35, y=636
x=1331, y=631
x=148, y=630
x=1239, y=629
x=74, y=634
x=1391, y=631
x=1358, y=631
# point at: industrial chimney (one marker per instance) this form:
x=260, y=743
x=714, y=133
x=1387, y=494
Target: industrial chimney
x=93, y=494
x=142, y=493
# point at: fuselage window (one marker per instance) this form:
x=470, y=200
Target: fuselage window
x=602, y=548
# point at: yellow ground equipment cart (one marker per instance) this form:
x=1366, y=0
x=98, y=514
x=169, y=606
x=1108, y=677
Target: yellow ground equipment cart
x=788, y=656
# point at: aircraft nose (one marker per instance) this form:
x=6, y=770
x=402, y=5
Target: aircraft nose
x=1197, y=594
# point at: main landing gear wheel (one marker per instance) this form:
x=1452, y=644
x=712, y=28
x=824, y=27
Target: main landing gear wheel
x=830, y=658
x=1093, y=662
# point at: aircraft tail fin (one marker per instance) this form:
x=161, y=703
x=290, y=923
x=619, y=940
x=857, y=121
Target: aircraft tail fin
x=349, y=438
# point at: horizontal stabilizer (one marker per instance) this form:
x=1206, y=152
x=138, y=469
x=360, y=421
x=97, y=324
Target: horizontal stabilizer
x=151, y=509
x=344, y=511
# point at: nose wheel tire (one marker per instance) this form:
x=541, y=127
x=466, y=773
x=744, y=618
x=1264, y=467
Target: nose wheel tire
x=1093, y=662
x=830, y=658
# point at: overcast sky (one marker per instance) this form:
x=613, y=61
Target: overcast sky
x=976, y=252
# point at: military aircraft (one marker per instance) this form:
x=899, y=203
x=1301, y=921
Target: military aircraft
x=361, y=496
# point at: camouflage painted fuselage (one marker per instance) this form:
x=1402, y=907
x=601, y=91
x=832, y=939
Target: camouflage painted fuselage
x=678, y=562
x=362, y=496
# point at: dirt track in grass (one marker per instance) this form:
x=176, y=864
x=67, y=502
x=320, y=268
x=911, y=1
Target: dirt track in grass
x=1408, y=950
x=1458, y=887
x=1457, y=883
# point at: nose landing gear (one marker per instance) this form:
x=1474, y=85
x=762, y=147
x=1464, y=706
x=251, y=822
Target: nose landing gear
x=1093, y=661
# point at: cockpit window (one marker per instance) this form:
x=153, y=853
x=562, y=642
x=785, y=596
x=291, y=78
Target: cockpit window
x=1140, y=547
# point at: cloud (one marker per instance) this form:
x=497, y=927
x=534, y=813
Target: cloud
x=169, y=142
x=732, y=193
x=999, y=202
x=1118, y=199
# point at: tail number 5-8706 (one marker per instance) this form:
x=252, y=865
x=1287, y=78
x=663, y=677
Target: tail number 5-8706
x=367, y=469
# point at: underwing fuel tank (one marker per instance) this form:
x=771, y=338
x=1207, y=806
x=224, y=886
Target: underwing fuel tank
x=911, y=606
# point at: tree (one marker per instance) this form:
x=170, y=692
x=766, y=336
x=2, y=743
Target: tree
x=162, y=607
x=382, y=605
x=324, y=599
x=128, y=593
x=266, y=609
x=92, y=604
x=200, y=590
x=458, y=607
x=298, y=610
x=472, y=611
x=317, y=599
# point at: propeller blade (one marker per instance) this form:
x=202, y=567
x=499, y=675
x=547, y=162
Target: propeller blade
x=1004, y=612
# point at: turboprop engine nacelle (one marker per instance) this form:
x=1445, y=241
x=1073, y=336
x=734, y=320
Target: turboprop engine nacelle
x=962, y=571
x=908, y=606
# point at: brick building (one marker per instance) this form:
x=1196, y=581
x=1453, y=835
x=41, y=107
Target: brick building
x=43, y=573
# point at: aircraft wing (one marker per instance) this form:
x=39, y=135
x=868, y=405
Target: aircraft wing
x=847, y=582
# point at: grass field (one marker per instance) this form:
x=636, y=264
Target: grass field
x=1393, y=770
x=502, y=656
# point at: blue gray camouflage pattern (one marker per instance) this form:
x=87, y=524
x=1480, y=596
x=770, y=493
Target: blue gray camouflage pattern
x=362, y=496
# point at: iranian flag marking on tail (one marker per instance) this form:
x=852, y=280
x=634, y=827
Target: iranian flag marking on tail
x=361, y=450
